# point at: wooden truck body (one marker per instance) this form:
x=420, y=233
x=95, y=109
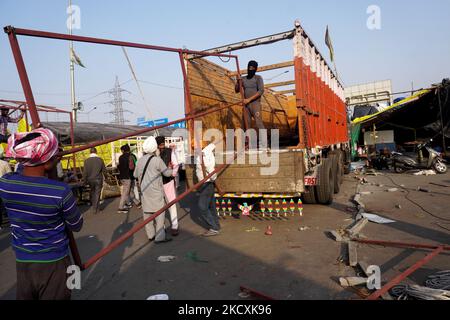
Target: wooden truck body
x=311, y=118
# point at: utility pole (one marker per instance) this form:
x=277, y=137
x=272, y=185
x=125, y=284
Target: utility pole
x=117, y=102
x=72, y=70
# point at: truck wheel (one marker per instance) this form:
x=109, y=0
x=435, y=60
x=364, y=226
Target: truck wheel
x=309, y=196
x=325, y=189
x=337, y=169
x=347, y=162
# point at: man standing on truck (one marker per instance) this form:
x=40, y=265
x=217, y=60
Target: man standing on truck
x=253, y=86
x=40, y=211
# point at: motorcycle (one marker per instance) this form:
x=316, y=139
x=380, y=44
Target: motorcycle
x=424, y=158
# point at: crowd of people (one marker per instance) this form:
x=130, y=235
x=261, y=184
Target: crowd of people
x=42, y=208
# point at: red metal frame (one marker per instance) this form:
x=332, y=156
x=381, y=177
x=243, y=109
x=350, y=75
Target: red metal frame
x=13, y=32
x=437, y=249
x=42, y=108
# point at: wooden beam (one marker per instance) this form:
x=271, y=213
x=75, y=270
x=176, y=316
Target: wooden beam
x=284, y=92
x=267, y=68
x=279, y=84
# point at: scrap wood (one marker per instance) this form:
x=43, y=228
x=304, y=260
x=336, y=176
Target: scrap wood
x=357, y=227
x=352, y=254
x=364, y=266
x=352, y=281
x=255, y=293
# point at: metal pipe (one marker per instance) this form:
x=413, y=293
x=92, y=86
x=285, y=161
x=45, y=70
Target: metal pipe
x=135, y=133
x=36, y=122
x=401, y=244
x=141, y=225
x=72, y=144
x=61, y=36
x=403, y=275
x=187, y=99
x=241, y=91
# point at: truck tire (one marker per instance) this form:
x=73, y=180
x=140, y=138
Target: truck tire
x=309, y=196
x=337, y=169
x=325, y=189
x=347, y=162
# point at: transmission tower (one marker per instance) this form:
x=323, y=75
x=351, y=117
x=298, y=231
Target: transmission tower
x=117, y=102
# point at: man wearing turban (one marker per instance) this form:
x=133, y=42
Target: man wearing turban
x=40, y=210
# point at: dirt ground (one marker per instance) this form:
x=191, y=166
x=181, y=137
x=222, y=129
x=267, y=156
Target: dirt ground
x=294, y=263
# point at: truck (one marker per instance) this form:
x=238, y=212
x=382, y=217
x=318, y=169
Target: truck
x=311, y=116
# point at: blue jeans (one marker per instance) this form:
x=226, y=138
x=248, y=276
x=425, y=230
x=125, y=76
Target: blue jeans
x=207, y=205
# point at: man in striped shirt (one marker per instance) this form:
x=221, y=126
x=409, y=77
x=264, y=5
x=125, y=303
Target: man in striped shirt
x=39, y=210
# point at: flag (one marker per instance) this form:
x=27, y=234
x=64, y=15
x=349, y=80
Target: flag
x=329, y=44
x=75, y=59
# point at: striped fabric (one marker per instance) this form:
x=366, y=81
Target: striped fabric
x=39, y=210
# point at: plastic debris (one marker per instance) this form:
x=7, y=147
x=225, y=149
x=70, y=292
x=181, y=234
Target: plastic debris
x=166, y=258
x=375, y=218
x=243, y=295
x=192, y=255
x=161, y=296
x=392, y=190
x=398, y=206
x=253, y=229
x=425, y=173
x=304, y=228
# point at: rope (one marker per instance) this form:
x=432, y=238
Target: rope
x=436, y=288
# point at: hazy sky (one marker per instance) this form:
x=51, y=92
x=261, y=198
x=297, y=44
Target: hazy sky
x=411, y=46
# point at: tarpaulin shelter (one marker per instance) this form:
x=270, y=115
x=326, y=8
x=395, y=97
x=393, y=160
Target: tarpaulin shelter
x=90, y=132
x=422, y=116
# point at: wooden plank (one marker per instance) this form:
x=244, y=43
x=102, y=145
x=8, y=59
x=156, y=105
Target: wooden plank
x=363, y=266
x=279, y=84
x=210, y=86
x=352, y=254
x=358, y=226
x=267, y=68
x=283, y=92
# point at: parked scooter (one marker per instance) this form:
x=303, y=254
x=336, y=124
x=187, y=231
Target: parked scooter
x=424, y=158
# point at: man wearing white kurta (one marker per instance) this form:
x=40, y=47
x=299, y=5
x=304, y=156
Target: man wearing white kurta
x=152, y=189
x=207, y=202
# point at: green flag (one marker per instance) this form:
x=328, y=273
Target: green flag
x=329, y=44
x=75, y=59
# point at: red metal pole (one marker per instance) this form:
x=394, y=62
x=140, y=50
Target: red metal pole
x=299, y=100
x=255, y=293
x=241, y=91
x=61, y=36
x=401, y=244
x=72, y=144
x=187, y=99
x=141, y=225
x=36, y=122
x=404, y=274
